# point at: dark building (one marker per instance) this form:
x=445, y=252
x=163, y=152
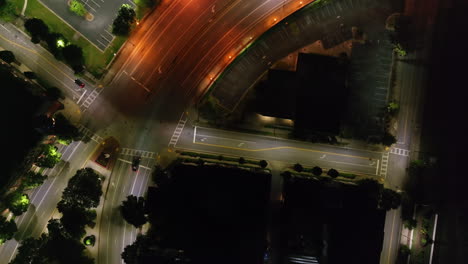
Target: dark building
x=314, y=96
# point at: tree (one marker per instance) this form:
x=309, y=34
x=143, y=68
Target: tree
x=7, y=229
x=83, y=191
x=31, y=75
x=263, y=163
x=410, y=223
x=389, y=199
x=49, y=157
x=75, y=219
x=388, y=139
x=124, y=20
x=33, y=180
x=133, y=210
x=73, y=56
x=56, y=42
x=64, y=130
x=7, y=56
x=241, y=160
x=17, y=202
x=29, y=251
x=37, y=28
x=298, y=167
x=54, y=93
x=7, y=10
x=333, y=173
x=77, y=8
x=317, y=171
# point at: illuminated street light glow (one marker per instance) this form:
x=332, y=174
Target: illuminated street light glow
x=60, y=43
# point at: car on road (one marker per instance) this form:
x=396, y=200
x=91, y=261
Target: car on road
x=136, y=163
x=79, y=83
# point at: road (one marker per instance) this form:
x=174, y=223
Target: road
x=44, y=199
x=114, y=232
x=166, y=64
x=277, y=149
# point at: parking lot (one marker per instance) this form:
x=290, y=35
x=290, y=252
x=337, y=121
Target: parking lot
x=98, y=31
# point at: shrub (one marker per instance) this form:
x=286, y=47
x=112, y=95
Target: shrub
x=298, y=167
x=263, y=163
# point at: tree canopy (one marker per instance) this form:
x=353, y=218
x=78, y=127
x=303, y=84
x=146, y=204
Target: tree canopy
x=389, y=199
x=17, y=202
x=37, y=28
x=75, y=219
x=73, y=56
x=64, y=130
x=7, y=229
x=124, y=20
x=133, y=210
x=83, y=191
x=333, y=173
x=32, y=180
x=7, y=56
x=49, y=157
x=77, y=8
x=317, y=171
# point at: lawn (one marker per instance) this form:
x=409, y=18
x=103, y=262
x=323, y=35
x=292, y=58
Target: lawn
x=95, y=60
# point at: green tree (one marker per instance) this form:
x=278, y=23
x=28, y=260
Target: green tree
x=7, y=56
x=7, y=11
x=124, y=20
x=410, y=223
x=49, y=157
x=77, y=8
x=37, y=28
x=75, y=219
x=29, y=251
x=388, y=139
x=83, y=191
x=241, y=160
x=389, y=199
x=317, y=171
x=73, y=56
x=32, y=180
x=263, y=163
x=7, y=229
x=64, y=130
x=133, y=210
x=333, y=173
x=298, y=167
x=17, y=202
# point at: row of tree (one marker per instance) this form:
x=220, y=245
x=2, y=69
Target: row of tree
x=62, y=243
x=61, y=48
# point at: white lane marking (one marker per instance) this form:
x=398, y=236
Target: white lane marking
x=377, y=168
x=134, y=181
x=391, y=238
x=71, y=154
x=194, y=134
x=5, y=28
x=206, y=136
x=81, y=97
x=126, y=161
x=433, y=237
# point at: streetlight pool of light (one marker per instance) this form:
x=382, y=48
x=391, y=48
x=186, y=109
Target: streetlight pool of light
x=60, y=43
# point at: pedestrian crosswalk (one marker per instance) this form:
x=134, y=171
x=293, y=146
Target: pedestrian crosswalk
x=136, y=152
x=178, y=130
x=399, y=151
x=90, y=99
x=88, y=133
x=384, y=164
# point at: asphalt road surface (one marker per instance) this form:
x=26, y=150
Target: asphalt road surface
x=276, y=149
x=115, y=233
x=44, y=198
